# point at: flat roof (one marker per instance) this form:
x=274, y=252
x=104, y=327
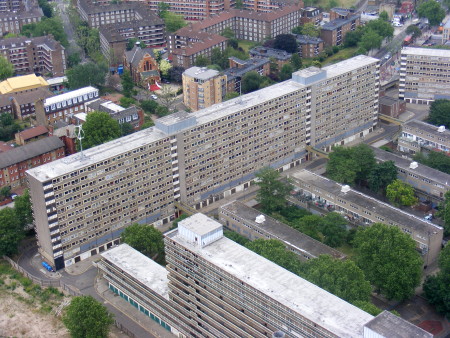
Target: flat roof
x=200, y=224
x=56, y=80
x=69, y=95
x=399, y=216
x=425, y=51
x=294, y=292
x=403, y=163
x=23, y=82
x=429, y=128
x=282, y=231
x=140, y=267
x=201, y=73
x=392, y=326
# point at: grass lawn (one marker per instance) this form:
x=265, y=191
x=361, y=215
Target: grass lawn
x=346, y=249
x=341, y=55
x=341, y=3
x=246, y=45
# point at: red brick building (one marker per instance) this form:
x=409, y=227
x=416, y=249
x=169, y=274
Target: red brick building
x=31, y=135
x=141, y=62
x=14, y=163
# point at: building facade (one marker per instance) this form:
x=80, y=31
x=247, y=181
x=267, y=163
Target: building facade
x=197, y=158
x=64, y=106
x=203, y=87
x=281, y=57
x=22, y=84
x=11, y=6
x=333, y=32
x=22, y=105
x=362, y=210
x=420, y=136
x=311, y=15
x=309, y=46
x=30, y=135
x=423, y=75
x=15, y=162
x=142, y=65
x=238, y=68
x=251, y=223
x=131, y=115
x=12, y=22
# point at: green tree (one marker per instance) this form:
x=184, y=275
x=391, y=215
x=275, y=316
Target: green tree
x=239, y=4
x=414, y=31
x=127, y=83
x=149, y=106
x=126, y=128
x=286, y=42
x=297, y=30
x=381, y=27
x=272, y=191
x=6, y=68
x=400, y=193
x=234, y=236
x=73, y=60
x=333, y=227
x=437, y=288
x=163, y=8
x=230, y=95
x=434, y=159
x=8, y=127
x=310, y=29
x=23, y=210
x=161, y=111
x=146, y=239
x=85, y=317
x=99, y=128
x=88, y=74
x=389, y=260
x=202, y=61
x=384, y=16
x=309, y=225
x=432, y=10
x=250, y=82
x=47, y=26
x=127, y=101
x=275, y=251
x=46, y=8
x=228, y=33
x=341, y=166
x=5, y=192
x=173, y=21
x=132, y=42
x=370, y=40
x=440, y=113
x=11, y=232
x=343, y=278
x=365, y=158
x=382, y=175
x=164, y=68
x=444, y=213
x=286, y=72
x=352, y=38
x=296, y=61
x=368, y=307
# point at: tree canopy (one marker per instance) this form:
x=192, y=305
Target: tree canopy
x=88, y=74
x=23, y=210
x=440, y=113
x=286, y=42
x=272, y=191
x=414, y=31
x=400, y=193
x=127, y=83
x=11, y=232
x=310, y=29
x=296, y=62
x=132, y=42
x=444, y=213
x=234, y=236
x=146, y=239
x=85, y=317
x=370, y=40
x=333, y=227
x=382, y=175
x=99, y=128
x=6, y=68
x=437, y=288
x=434, y=159
x=47, y=26
x=8, y=127
x=250, y=82
x=432, y=10
x=389, y=260
x=173, y=21
x=286, y=72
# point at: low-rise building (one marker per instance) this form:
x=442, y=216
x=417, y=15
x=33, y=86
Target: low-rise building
x=23, y=104
x=97, y=15
x=238, y=68
x=11, y=6
x=390, y=106
x=309, y=46
x=253, y=224
x=419, y=136
x=63, y=106
x=333, y=32
x=129, y=115
x=203, y=87
x=311, y=15
x=31, y=135
x=341, y=13
x=22, y=84
x=13, y=22
x=41, y=54
x=142, y=65
x=423, y=75
x=429, y=183
x=363, y=210
x=15, y=162
x=280, y=56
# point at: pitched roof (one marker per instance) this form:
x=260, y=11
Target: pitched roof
x=19, y=83
x=33, y=132
x=135, y=55
x=33, y=96
x=202, y=40
x=47, y=40
x=30, y=150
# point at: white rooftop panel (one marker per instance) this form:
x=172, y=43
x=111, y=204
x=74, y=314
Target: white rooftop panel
x=200, y=224
x=69, y=95
x=56, y=80
x=140, y=267
x=426, y=51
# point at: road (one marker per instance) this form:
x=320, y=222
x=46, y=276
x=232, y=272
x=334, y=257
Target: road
x=62, y=8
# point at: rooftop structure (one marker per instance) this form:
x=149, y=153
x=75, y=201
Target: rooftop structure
x=201, y=73
x=266, y=52
x=389, y=325
x=22, y=83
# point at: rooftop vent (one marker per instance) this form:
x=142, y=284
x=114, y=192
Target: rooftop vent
x=345, y=188
x=278, y=334
x=260, y=219
x=441, y=129
x=413, y=165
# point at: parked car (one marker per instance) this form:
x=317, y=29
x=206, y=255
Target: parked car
x=154, y=97
x=13, y=196
x=428, y=217
x=387, y=56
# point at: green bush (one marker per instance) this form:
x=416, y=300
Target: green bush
x=25, y=281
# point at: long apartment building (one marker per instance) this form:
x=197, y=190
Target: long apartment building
x=253, y=224
x=420, y=136
x=429, y=183
x=197, y=158
x=363, y=210
x=35, y=55
x=333, y=32
x=11, y=5
x=12, y=22
x=214, y=287
x=424, y=75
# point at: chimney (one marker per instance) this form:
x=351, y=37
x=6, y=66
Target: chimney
x=413, y=165
x=441, y=129
x=260, y=219
x=345, y=189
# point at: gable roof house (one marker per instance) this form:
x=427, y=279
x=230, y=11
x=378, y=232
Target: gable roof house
x=143, y=67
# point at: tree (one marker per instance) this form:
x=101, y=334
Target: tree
x=127, y=101
x=175, y=74
x=297, y=30
x=163, y=8
x=230, y=95
x=272, y=191
x=432, y=10
x=341, y=165
x=161, y=111
x=8, y=127
x=173, y=21
x=370, y=40
x=384, y=16
x=296, y=61
x=286, y=72
x=6, y=68
x=381, y=27
x=400, y=193
x=149, y=106
x=352, y=38
x=444, y=213
x=250, y=82
x=5, y=192
x=275, y=251
x=382, y=175
x=228, y=33
x=146, y=239
x=414, y=31
x=11, y=233
x=286, y=42
x=440, y=112
x=85, y=317
x=126, y=128
x=234, y=236
x=46, y=8
x=365, y=158
x=202, y=61
x=309, y=225
x=164, y=67
x=343, y=278
x=132, y=42
x=88, y=74
x=333, y=227
x=368, y=307
x=239, y=4
x=167, y=97
x=99, y=128
x=434, y=159
x=23, y=210
x=73, y=59
x=437, y=288
x=389, y=260
x=127, y=83
x=310, y=29
x=47, y=26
